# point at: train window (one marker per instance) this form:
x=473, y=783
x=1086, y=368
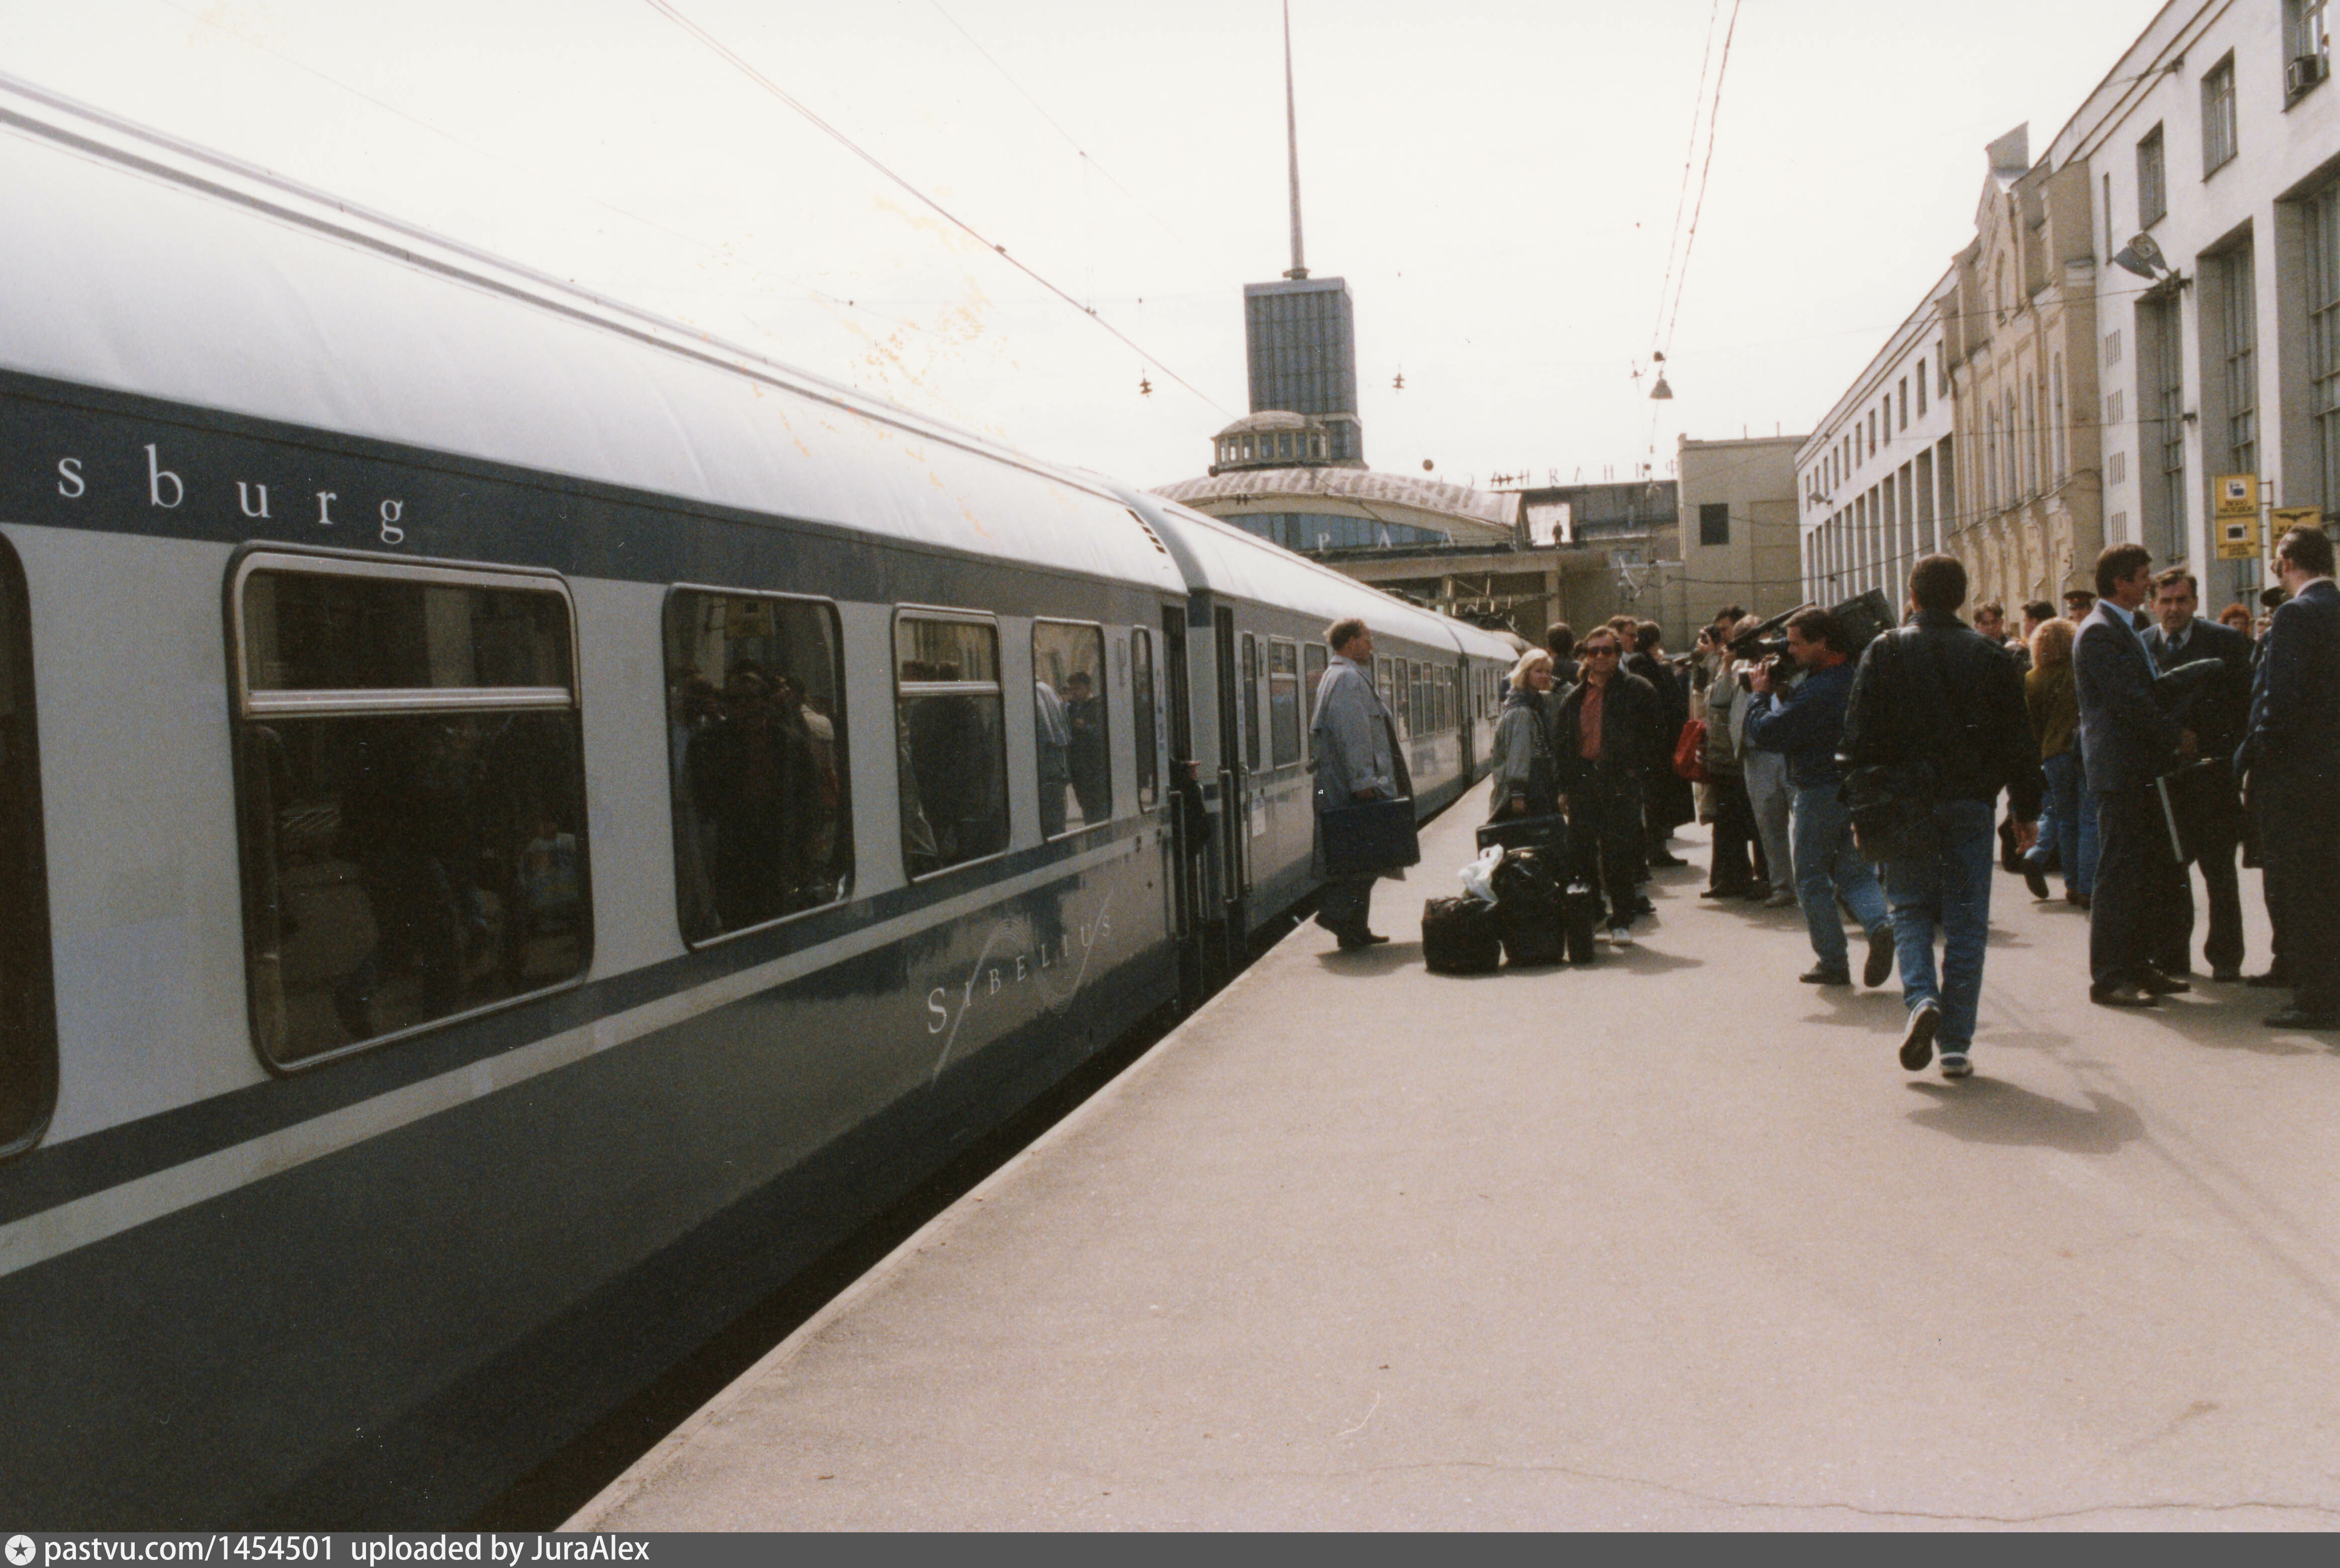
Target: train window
x=1283, y=701
x=951, y=740
x=756, y=749
x=1068, y=727
x=1251, y=702
x=28, y=1021
x=412, y=787
x=1141, y=723
x=1313, y=659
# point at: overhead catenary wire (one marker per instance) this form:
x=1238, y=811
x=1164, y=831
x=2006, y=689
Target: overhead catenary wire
x=738, y=63
x=1698, y=206
x=1690, y=161
x=1087, y=161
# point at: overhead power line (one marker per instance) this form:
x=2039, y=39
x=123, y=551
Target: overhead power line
x=730, y=57
x=1714, y=114
x=1070, y=140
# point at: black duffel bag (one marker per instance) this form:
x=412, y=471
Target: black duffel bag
x=1529, y=902
x=1462, y=937
x=1548, y=833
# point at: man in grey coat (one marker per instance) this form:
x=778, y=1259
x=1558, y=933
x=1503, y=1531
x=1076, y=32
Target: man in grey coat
x=1357, y=759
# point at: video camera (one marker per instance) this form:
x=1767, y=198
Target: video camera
x=1864, y=616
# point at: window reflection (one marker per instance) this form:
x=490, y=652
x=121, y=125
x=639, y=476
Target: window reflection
x=762, y=814
x=950, y=741
x=1068, y=727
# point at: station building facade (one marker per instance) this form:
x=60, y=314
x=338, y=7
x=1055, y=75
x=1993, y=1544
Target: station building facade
x=1876, y=480
x=2150, y=307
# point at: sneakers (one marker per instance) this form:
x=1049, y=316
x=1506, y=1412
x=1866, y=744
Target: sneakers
x=1918, y=1039
x=1874, y=973
x=1621, y=935
x=1956, y=1066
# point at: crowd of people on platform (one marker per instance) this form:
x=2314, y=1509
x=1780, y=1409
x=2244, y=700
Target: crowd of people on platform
x=2131, y=739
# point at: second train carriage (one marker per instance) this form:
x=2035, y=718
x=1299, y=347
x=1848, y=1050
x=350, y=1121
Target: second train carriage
x=519, y=826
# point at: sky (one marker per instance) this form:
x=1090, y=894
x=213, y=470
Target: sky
x=1501, y=181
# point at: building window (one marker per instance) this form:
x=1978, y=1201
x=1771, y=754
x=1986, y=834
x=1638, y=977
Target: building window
x=28, y=1021
x=2116, y=468
x=1990, y=458
x=2116, y=529
x=951, y=740
x=2056, y=397
x=1070, y=736
x=2014, y=440
x=2031, y=436
x=1905, y=403
x=2322, y=215
x=412, y=778
x=1315, y=658
x=2113, y=347
x=2116, y=408
x=2218, y=116
x=2163, y=390
x=1714, y=522
x=1921, y=389
x=2308, y=47
x=755, y=753
x=2152, y=188
x=2238, y=344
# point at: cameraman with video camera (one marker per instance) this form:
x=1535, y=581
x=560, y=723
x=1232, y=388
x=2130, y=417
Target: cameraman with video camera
x=1808, y=726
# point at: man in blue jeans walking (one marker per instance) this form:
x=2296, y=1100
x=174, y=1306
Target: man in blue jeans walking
x=1807, y=725
x=1942, y=708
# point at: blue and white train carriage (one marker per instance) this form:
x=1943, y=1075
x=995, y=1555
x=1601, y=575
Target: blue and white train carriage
x=521, y=826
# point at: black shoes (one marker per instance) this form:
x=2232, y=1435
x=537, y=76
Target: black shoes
x=1918, y=1039
x=2225, y=974
x=1880, y=966
x=2127, y=994
x=1821, y=975
x=1663, y=858
x=2036, y=879
x=2155, y=983
x=1352, y=940
x=2273, y=980
x=2302, y=1019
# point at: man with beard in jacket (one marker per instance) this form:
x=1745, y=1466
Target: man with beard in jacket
x=1942, y=705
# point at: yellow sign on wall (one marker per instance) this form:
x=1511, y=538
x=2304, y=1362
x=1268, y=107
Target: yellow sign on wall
x=2287, y=518
x=2238, y=495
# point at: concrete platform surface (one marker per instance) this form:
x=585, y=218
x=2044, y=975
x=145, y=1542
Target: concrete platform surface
x=1669, y=1241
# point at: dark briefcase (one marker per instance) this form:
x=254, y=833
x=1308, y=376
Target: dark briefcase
x=2199, y=805
x=1370, y=835
x=1548, y=833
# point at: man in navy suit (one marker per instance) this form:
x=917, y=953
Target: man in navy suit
x=2292, y=753
x=2126, y=741
x=2217, y=715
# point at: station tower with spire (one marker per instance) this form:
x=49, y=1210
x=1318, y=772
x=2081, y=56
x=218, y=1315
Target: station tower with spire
x=1300, y=334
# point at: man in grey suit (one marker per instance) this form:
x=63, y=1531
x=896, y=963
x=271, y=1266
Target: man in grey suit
x=2126, y=741
x=2217, y=715
x=2292, y=753
x=1357, y=759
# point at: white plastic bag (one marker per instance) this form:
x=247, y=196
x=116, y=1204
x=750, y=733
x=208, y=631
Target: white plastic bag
x=1479, y=876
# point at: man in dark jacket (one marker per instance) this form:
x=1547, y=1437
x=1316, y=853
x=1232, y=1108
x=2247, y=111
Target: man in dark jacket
x=1602, y=732
x=2292, y=752
x=2217, y=715
x=2126, y=741
x=1667, y=800
x=1808, y=726
x=1942, y=706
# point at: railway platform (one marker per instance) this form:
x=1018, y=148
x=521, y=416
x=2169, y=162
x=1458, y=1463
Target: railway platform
x=1670, y=1241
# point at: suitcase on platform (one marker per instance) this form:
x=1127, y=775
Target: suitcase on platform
x=1462, y=937
x=1529, y=901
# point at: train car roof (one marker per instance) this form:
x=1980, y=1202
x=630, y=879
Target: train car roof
x=137, y=263
x=1218, y=556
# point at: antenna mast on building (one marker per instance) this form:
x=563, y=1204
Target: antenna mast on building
x=1292, y=134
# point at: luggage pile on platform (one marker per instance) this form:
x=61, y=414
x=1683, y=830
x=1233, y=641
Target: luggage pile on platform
x=1517, y=903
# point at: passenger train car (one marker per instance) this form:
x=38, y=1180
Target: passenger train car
x=521, y=825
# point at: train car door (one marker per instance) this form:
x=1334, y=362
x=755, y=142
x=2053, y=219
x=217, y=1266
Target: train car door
x=1190, y=817
x=1234, y=790
x=1465, y=711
